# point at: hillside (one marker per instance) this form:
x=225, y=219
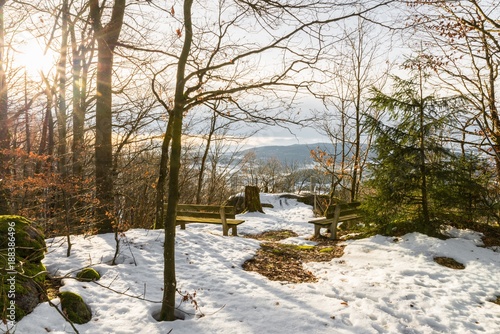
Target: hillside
x=290, y=153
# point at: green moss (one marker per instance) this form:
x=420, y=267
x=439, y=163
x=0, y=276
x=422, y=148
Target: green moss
x=30, y=242
x=326, y=249
x=88, y=274
x=75, y=308
x=20, y=289
x=304, y=247
x=280, y=249
x=35, y=270
x=26, y=268
x=19, y=313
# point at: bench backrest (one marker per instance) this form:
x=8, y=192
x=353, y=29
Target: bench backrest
x=204, y=211
x=345, y=209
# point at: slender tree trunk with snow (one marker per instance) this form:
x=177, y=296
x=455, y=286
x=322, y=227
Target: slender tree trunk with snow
x=167, y=312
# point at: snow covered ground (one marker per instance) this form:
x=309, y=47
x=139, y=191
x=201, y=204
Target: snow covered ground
x=380, y=285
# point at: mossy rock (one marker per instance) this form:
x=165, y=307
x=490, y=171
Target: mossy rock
x=88, y=274
x=75, y=308
x=29, y=241
x=22, y=274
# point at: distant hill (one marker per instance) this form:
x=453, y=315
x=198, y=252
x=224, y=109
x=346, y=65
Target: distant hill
x=291, y=153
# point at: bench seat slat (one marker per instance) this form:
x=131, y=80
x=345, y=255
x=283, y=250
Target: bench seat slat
x=321, y=221
x=199, y=214
x=198, y=207
x=204, y=208
x=208, y=214
x=349, y=212
x=349, y=217
x=208, y=220
x=334, y=215
x=328, y=221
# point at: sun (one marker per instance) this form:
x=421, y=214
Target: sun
x=33, y=57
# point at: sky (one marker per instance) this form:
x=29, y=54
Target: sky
x=380, y=284
x=279, y=136
x=31, y=57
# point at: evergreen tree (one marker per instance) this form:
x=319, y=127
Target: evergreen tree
x=410, y=155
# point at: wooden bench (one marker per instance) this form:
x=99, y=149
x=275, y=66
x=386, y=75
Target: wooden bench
x=335, y=214
x=208, y=214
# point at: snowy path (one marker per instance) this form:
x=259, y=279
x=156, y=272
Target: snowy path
x=380, y=285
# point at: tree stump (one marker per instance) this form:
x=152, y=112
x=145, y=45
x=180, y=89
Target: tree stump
x=252, y=199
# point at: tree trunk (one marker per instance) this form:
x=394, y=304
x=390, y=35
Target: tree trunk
x=167, y=311
x=357, y=141
x=61, y=113
x=252, y=199
x=79, y=73
x=106, y=41
x=47, y=140
x=103, y=144
x=4, y=128
x=162, y=177
x=204, y=158
x=423, y=163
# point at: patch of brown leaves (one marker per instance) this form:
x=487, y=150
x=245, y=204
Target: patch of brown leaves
x=283, y=262
x=449, y=262
x=51, y=287
x=273, y=235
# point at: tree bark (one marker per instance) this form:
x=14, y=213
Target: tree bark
x=61, y=112
x=47, y=140
x=423, y=163
x=106, y=41
x=79, y=77
x=103, y=144
x=4, y=128
x=167, y=312
x=162, y=177
x=204, y=158
x=252, y=199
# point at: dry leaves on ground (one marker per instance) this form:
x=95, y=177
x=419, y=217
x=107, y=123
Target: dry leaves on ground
x=284, y=262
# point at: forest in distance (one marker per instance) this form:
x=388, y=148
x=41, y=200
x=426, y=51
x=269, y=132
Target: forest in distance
x=114, y=112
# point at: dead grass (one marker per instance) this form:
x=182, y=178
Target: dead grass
x=51, y=286
x=283, y=262
x=273, y=235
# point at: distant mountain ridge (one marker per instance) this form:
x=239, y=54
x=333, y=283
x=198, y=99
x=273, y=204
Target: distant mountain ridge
x=290, y=153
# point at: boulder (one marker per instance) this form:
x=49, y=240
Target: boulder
x=88, y=274
x=75, y=308
x=22, y=274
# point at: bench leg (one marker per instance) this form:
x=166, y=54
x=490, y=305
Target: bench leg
x=225, y=230
x=333, y=231
x=235, y=232
x=317, y=229
x=183, y=226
